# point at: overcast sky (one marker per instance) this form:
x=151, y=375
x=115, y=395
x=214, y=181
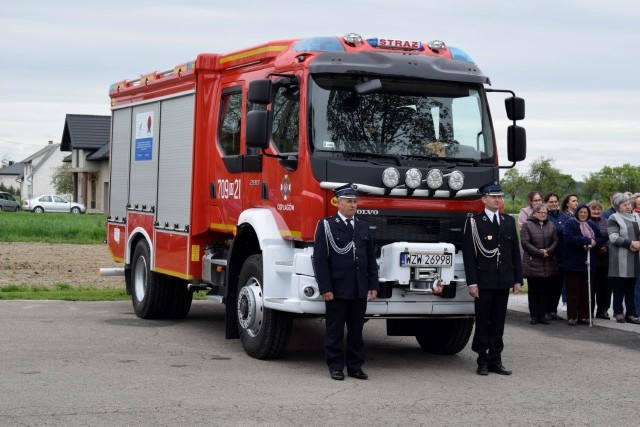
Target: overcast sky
x=576, y=62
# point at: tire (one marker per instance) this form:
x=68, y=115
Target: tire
x=38, y=209
x=75, y=210
x=150, y=296
x=264, y=333
x=180, y=300
x=446, y=336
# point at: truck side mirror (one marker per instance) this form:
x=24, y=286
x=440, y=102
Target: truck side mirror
x=516, y=143
x=258, y=129
x=515, y=108
x=260, y=91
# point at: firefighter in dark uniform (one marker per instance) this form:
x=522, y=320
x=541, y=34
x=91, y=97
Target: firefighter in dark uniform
x=347, y=274
x=493, y=265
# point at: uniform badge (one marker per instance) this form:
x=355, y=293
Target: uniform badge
x=489, y=237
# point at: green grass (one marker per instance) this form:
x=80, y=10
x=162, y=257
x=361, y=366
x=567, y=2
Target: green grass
x=63, y=292
x=52, y=228
x=66, y=292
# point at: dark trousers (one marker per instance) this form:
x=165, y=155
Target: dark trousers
x=624, y=289
x=577, y=294
x=491, y=310
x=341, y=312
x=603, y=290
x=538, y=295
x=554, y=292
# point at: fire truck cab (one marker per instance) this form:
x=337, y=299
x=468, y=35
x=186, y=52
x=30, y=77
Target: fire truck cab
x=222, y=167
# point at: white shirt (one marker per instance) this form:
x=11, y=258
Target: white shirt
x=490, y=215
x=344, y=219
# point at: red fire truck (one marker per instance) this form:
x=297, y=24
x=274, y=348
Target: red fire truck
x=221, y=168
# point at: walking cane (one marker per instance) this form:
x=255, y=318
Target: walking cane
x=589, y=285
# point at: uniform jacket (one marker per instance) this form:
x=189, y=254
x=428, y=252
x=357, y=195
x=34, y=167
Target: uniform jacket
x=348, y=276
x=492, y=273
x=575, y=255
x=534, y=236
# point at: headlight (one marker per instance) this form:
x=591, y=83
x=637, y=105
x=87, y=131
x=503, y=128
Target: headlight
x=390, y=177
x=456, y=180
x=434, y=179
x=413, y=178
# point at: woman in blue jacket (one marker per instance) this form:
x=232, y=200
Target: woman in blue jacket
x=558, y=218
x=580, y=237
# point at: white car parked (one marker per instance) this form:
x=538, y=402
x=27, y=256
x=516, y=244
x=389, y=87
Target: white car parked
x=50, y=203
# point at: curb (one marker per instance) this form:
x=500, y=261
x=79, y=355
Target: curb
x=520, y=304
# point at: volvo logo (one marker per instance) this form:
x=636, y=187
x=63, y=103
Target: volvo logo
x=367, y=211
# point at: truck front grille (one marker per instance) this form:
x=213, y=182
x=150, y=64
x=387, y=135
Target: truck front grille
x=386, y=229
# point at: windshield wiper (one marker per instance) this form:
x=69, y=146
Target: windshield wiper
x=366, y=157
x=442, y=159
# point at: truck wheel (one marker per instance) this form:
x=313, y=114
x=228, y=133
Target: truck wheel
x=446, y=336
x=150, y=295
x=264, y=333
x=180, y=299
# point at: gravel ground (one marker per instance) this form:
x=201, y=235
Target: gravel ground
x=44, y=264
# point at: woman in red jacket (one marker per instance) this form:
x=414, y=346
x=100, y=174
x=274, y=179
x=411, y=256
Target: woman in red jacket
x=539, y=243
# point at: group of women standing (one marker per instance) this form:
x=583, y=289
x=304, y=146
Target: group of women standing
x=576, y=246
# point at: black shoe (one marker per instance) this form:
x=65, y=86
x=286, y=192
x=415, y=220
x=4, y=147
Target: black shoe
x=337, y=375
x=534, y=320
x=499, y=369
x=544, y=320
x=555, y=316
x=604, y=316
x=483, y=369
x=633, y=319
x=548, y=316
x=357, y=374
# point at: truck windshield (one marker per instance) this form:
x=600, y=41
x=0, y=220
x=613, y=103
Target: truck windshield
x=404, y=118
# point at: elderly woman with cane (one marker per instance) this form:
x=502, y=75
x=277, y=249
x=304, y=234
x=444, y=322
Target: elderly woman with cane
x=581, y=237
x=624, y=264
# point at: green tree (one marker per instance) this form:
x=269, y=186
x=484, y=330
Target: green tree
x=62, y=179
x=514, y=184
x=608, y=179
x=543, y=176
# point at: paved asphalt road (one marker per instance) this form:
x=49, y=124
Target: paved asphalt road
x=66, y=363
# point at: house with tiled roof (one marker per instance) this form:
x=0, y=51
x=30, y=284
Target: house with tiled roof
x=87, y=138
x=11, y=175
x=38, y=171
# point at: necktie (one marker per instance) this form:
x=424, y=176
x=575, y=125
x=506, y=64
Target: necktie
x=495, y=220
x=349, y=223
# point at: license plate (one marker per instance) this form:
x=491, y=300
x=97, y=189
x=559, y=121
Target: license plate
x=408, y=259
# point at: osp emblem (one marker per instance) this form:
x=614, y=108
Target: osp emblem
x=285, y=187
